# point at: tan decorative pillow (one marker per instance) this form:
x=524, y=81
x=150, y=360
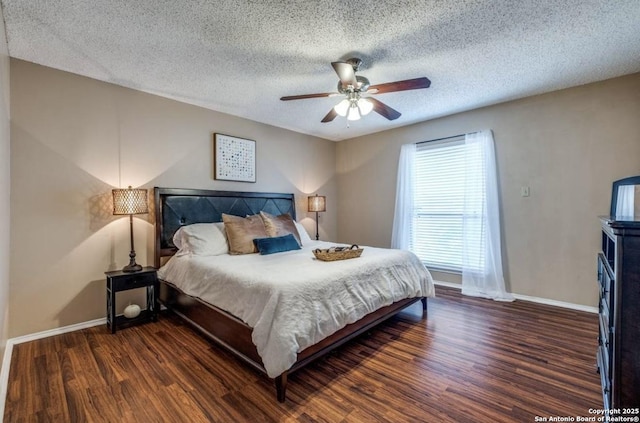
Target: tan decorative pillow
x=280, y=225
x=242, y=231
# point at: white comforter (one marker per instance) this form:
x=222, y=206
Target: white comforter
x=291, y=300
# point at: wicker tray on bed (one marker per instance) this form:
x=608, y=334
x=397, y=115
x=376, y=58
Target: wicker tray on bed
x=338, y=253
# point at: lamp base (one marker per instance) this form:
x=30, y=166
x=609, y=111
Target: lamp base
x=135, y=267
x=132, y=266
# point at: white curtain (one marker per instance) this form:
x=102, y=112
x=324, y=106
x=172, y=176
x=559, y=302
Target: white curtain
x=482, y=274
x=625, y=201
x=403, y=217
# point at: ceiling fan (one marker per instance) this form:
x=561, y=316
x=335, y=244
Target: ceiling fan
x=353, y=87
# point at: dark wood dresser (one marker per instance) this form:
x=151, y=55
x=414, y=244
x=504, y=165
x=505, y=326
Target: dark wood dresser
x=619, y=339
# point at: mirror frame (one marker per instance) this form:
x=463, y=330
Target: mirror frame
x=632, y=180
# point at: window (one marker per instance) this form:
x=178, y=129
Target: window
x=447, y=207
x=448, y=212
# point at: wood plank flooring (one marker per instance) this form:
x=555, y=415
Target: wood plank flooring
x=470, y=360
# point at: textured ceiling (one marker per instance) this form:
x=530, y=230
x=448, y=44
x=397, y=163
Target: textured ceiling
x=240, y=57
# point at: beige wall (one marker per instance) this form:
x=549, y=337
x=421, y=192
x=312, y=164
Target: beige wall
x=568, y=146
x=5, y=186
x=74, y=138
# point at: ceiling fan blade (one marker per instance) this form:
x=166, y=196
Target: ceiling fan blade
x=303, y=96
x=407, y=84
x=346, y=74
x=330, y=116
x=384, y=110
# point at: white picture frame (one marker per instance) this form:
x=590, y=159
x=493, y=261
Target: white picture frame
x=234, y=158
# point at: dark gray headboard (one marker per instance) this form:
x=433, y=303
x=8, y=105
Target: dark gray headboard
x=175, y=207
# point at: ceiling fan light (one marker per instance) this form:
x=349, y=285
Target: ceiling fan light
x=354, y=114
x=342, y=107
x=365, y=106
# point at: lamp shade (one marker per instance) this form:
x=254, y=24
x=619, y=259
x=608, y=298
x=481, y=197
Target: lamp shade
x=365, y=106
x=318, y=203
x=130, y=201
x=342, y=107
x=353, y=113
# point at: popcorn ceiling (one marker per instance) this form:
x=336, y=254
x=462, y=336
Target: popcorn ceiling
x=239, y=57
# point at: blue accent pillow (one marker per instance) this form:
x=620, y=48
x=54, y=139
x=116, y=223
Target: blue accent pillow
x=276, y=244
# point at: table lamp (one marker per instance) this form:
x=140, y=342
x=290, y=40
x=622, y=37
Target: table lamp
x=130, y=201
x=317, y=203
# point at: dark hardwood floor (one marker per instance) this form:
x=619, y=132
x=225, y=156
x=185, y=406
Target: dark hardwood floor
x=470, y=360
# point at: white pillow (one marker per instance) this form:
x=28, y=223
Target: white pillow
x=201, y=239
x=304, y=235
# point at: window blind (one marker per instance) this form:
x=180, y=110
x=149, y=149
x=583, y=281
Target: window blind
x=449, y=188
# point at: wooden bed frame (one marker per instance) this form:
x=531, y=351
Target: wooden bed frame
x=176, y=207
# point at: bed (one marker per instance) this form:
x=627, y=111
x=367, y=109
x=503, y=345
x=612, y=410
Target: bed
x=241, y=326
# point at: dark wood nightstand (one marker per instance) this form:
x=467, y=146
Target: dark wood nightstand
x=121, y=281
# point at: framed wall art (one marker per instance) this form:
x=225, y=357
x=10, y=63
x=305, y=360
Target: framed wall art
x=234, y=158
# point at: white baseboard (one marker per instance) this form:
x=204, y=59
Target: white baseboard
x=448, y=284
x=8, y=352
x=58, y=331
x=546, y=301
x=4, y=376
x=563, y=304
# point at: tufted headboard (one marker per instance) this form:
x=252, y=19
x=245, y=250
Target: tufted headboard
x=175, y=207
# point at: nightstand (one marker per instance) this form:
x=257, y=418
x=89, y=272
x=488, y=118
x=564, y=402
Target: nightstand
x=122, y=281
